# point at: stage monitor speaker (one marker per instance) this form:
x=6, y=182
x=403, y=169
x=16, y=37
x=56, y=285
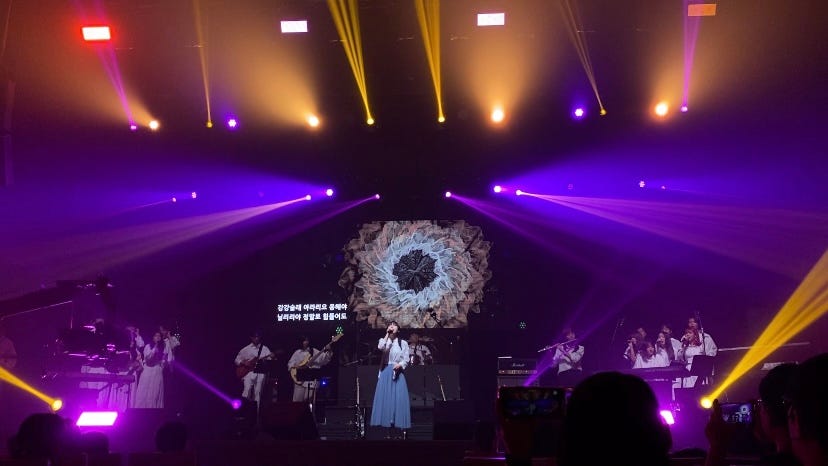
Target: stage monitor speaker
x=454, y=420
x=289, y=421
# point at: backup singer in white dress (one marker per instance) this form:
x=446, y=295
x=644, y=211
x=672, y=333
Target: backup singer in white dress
x=648, y=357
x=150, y=390
x=392, y=407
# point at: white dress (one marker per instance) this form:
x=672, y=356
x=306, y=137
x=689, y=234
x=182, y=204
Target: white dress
x=150, y=390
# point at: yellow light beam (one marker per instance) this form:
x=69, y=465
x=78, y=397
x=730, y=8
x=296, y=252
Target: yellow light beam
x=428, y=15
x=54, y=403
x=345, y=14
x=574, y=28
x=808, y=303
x=202, y=55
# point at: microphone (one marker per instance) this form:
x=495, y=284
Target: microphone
x=389, y=331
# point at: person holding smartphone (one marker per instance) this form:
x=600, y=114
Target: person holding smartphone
x=392, y=407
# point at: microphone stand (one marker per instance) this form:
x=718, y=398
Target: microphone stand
x=701, y=332
x=618, y=324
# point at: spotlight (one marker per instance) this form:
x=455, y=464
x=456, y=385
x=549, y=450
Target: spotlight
x=174, y=200
x=292, y=27
x=642, y=184
x=194, y=195
x=329, y=192
x=491, y=19
x=603, y=112
x=232, y=123
x=518, y=193
x=522, y=325
x=209, y=124
x=706, y=403
x=154, y=125
x=497, y=188
x=236, y=404
x=133, y=127
x=661, y=109
x=340, y=329
x=497, y=115
x=376, y=196
x=308, y=197
x=448, y=194
x=684, y=109
x=97, y=419
x=570, y=186
x=56, y=404
x=313, y=121
x=663, y=187
x=370, y=121
x=96, y=33
x=441, y=119
x=578, y=113
x=667, y=416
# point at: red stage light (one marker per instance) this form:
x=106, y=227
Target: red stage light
x=96, y=33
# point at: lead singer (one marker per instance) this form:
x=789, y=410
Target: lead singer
x=392, y=408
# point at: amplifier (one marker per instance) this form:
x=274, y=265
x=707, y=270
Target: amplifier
x=509, y=366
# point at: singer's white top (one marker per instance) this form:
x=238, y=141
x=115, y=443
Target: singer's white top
x=659, y=359
x=568, y=360
x=397, y=353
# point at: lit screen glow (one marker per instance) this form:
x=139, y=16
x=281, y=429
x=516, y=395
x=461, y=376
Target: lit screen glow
x=292, y=27
x=491, y=19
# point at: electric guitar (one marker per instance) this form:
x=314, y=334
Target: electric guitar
x=309, y=360
x=247, y=366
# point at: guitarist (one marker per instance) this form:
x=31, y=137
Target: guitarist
x=246, y=362
x=307, y=357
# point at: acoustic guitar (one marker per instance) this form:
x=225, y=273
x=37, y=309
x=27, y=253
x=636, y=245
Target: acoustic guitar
x=311, y=359
x=247, y=366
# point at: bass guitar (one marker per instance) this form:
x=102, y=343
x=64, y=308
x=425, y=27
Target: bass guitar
x=309, y=360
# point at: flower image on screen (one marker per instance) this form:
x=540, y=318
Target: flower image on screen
x=419, y=273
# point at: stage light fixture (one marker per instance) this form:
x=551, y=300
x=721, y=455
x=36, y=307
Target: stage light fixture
x=642, y=184
x=603, y=112
x=522, y=325
x=370, y=121
x=491, y=19
x=684, y=109
x=329, y=192
x=294, y=26
x=313, y=121
x=96, y=33
x=448, y=194
x=97, y=419
x=497, y=114
x=56, y=404
x=578, y=113
x=194, y=195
x=441, y=119
x=174, y=200
x=308, y=197
x=154, y=125
x=706, y=403
x=701, y=9
x=133, y=127
x=667, y=416
x=518, y=193
x=236, y=404
x=376, y=196
x=497, y=188
x=209, y=124
x=232, y=123
x=661, y=109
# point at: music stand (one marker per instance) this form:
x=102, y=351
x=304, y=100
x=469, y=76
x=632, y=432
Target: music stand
x=702, y=367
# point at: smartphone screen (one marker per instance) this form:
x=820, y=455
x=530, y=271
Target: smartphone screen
x=737, y=413
x=532, y=402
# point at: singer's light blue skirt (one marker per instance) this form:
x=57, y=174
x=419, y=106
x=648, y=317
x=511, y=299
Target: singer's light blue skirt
x=392, y=407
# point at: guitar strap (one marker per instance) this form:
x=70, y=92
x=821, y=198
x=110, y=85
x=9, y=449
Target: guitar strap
x=256, y=368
